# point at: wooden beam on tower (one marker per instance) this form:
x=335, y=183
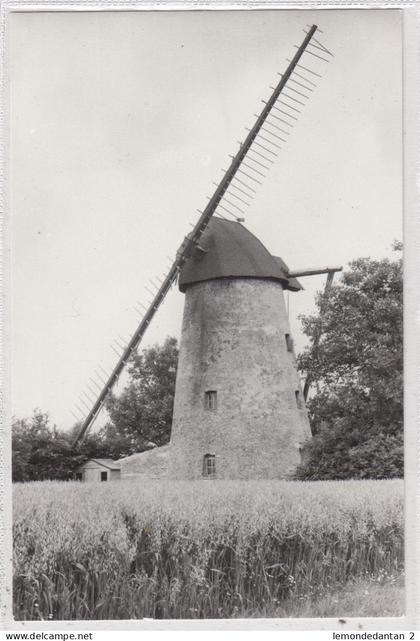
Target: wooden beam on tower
x=298, y=273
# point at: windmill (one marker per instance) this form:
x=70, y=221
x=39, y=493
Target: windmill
x=209, y=269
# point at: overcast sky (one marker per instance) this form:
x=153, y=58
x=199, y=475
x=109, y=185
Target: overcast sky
x=121, y=121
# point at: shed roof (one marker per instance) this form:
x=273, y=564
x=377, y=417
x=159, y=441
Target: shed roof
x=230, y=250
x=108, y=462
x=104, y=462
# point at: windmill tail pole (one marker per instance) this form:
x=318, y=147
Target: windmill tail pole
x=193, y=239
x=330, y=271
x=298, y=273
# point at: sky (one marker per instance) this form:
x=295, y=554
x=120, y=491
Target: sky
x=120, y=124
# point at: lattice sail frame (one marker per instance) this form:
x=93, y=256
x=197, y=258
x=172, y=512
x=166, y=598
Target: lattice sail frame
x=259, y=150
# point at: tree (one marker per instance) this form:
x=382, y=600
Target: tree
x=141, y=417
x=356, y=408
x=21, y=449
x=39, y=450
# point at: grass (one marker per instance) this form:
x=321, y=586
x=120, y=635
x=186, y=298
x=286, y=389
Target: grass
x=206, y=550
x=359, y=598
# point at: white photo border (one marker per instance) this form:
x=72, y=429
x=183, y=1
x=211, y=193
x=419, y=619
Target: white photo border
x=411, y=132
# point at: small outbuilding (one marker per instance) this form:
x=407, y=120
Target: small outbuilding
x=99, y=469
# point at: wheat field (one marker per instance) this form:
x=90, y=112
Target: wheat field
x=131, y=549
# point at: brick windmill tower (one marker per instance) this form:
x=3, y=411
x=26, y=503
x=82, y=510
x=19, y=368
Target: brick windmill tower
x=239, y=409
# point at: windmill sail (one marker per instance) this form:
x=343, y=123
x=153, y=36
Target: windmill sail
x=238, y=185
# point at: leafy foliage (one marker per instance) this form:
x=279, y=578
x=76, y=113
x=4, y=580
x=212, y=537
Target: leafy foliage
x=356, y=372
x=41, y=451
x=141, y=417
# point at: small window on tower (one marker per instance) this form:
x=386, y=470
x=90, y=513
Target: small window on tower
x=209, y=466
x=210, y=400
x=289, y=342
x=298, y=399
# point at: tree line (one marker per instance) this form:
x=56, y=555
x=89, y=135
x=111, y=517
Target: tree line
x=354, y=360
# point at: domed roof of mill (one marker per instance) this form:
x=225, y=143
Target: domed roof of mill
x=228, y=250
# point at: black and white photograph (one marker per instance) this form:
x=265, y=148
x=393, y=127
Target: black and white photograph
x=206, y=319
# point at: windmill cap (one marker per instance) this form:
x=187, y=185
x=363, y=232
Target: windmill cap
x=228, y=250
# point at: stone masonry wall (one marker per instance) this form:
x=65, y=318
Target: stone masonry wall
x=151, y=464
x=234, y=342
